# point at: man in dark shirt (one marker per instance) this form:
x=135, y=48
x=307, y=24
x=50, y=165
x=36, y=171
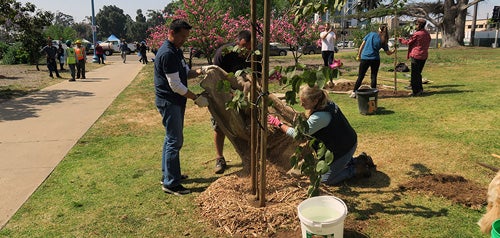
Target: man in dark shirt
x=171, y=73
x=230, y=57
x=51, y=52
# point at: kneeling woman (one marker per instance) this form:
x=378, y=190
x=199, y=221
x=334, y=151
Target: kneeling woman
x=328, y=124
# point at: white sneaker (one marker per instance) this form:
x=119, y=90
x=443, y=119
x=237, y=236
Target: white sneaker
x=353, y=95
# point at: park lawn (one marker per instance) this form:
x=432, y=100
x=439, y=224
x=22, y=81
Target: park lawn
x=108, y=185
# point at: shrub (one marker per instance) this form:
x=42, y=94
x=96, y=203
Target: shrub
x=16, y=54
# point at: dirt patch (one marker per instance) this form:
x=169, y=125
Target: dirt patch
x=237, y=212
x=345, y=86
x=453, y=187
x=20, y=80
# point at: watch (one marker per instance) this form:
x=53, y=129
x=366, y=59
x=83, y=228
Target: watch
x=281, y=124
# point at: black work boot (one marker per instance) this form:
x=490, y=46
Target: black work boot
x=220, y=165
x=363, y=165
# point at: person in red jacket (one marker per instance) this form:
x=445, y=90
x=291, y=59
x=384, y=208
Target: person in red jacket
x=418, y=46
x=99, y=52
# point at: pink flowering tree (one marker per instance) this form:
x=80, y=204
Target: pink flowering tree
x=157, y=36
x=292, y=33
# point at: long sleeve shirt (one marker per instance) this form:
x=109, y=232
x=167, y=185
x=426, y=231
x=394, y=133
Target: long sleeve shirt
x=418, y=45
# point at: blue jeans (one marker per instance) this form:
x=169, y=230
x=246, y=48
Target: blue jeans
x=173, y=121
x=340, y=169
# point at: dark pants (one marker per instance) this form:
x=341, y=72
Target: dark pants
x=100, y=58
x=363, y=68
x=72, y=70
x=144, y=58
x=52, y=66
x=80, y=68
x=61, y=62
x=327, y=57
x=416, y=75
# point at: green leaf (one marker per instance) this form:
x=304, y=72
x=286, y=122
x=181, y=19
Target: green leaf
x=306, y=9
x=329, y=157
x=321, y=151
x=322, y=167
x=290, y=97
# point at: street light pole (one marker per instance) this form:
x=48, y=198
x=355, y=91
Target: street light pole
x=94, y=38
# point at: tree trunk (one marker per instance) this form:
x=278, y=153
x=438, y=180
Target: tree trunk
x=454, y=23
x=236, y=125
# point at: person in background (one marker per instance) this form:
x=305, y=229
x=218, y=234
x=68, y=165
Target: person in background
x=327, y=44
x=70, y=59
x=369, y=56
x=51, y=53
x=328, y=124
x=418, y=51
x=124, y=50
x=99, y=52
x=60, y=55
x=81, y=59
x=143, y=49
x=171, y=74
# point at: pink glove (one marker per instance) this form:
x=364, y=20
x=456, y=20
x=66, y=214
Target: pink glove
x=274, y=121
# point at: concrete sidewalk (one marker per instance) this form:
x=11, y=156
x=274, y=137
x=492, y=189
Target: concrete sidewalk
x=37, y=131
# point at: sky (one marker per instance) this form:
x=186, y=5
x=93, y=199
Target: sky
x=81, y=8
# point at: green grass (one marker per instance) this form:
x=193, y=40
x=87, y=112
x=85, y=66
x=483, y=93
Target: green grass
x=108, y=185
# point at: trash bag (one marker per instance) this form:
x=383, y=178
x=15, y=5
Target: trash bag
x=402, y=67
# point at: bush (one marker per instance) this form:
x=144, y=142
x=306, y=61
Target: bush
x=3, y=48
x=15, y=54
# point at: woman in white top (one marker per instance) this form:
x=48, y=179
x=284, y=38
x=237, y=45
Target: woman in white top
x=327, y=44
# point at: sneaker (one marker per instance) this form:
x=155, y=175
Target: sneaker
x=177, y=190
x=183, y=177
x=72, y=80
x=220, y=165
x=353, y=95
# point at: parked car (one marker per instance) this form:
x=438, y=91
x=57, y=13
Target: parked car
x=276, y=49
x=313, y=49
x=111, y=47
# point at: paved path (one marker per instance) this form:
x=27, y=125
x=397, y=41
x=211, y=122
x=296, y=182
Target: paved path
x=37, y=131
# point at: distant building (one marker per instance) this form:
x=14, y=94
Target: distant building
x=485, y=33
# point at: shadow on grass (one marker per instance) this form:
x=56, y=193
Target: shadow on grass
x=27, y=107
x=444, y=92
x=446, y=86
x=383, y=111
x=391, y=206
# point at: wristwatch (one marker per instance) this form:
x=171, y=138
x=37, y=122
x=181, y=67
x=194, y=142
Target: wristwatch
x=281, y=124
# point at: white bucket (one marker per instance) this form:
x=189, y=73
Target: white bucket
x=323, y=216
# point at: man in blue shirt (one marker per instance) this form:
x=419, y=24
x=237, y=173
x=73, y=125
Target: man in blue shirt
x=171, y=89
x=369, y=55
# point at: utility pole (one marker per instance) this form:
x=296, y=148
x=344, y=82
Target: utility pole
x=94, y=37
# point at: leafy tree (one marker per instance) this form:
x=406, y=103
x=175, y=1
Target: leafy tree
x=60, y=32
x=83, y=30
x=63, y=19
x=111, y=20
x=449, y=16
x=24, y=23
x=155, y=18
x=137, y=30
